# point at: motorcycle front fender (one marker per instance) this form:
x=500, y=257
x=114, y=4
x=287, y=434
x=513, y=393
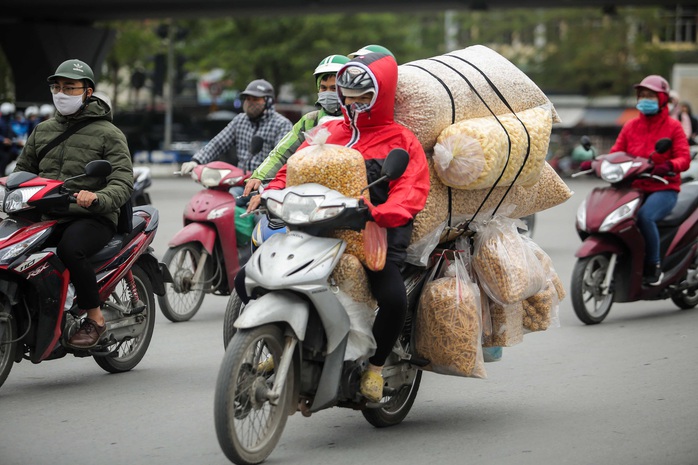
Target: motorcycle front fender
x=276, y=307
x=594, y=245
x=195, y=232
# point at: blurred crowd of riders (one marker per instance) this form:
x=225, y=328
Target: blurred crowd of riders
x=15, y=127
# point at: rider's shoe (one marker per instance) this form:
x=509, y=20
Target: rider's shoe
x=88, y=335
x=653, y=276
x=372, y=385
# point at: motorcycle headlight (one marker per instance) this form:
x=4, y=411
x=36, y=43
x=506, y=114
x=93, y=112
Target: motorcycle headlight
x=619, y=214
x=325, y=213
x=211, y=177
x=582, y=216
x=295, y=209
x=13, y=251
x=17, y=199
x=614, y=172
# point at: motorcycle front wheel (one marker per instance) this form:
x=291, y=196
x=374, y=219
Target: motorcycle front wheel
x=590, y=305
x=183, y=297
x=130, y=352
x=397, y=406
x=8, y=345
x=248, y=426
x=232, y=312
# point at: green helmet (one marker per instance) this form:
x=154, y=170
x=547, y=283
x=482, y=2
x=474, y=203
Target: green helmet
x=330, y=65
x=74, y=69
x=373, y=48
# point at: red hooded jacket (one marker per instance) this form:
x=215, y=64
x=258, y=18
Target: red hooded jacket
x=638, y=137
x=374, y=133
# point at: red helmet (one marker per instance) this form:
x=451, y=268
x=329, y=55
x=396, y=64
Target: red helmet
x=655, y=83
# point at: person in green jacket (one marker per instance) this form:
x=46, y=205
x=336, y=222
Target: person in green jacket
x=86, y=226
x=328, y=108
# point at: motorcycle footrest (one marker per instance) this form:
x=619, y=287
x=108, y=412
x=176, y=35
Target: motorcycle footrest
x=418, y=361
x=135, y=310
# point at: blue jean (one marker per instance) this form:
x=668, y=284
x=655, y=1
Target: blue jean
x=657, y=205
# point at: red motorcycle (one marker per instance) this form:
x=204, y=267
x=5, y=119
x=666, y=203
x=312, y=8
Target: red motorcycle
x=203, y=257
x=610, y=260
x=38, y=314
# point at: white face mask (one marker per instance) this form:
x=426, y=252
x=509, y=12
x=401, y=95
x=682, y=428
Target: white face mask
x=67, y=104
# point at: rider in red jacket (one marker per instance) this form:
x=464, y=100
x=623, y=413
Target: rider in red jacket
x=638, y=137
x=366, y=87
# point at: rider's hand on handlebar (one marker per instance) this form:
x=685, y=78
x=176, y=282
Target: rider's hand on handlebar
x=85, y=198
x=662, y=169
x=251, y=185
x=254, y=203
x=585, y=165
x=187, y=167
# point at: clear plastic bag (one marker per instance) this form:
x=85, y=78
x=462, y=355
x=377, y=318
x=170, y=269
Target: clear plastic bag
x=448, y=330
x=418, y=252
x=507, y=269
x=459, y=160
x=361, y=344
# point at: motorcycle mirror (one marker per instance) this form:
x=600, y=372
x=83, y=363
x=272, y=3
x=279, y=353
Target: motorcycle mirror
x=395, y=164
x=98, y=168
x=585, y=142
x=256, y=145
x=663, y=145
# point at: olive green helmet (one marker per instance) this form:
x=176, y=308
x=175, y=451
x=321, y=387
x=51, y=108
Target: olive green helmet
x=74, y=69
x=373, y=48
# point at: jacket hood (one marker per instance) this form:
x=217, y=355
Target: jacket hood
x=383, y=71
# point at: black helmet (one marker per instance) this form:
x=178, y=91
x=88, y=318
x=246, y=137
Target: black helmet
x=259, y=88
x=74, y=69
x=355, y=81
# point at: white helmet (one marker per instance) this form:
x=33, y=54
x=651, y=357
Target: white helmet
x=31, y=110
x=47, y=110
x=330, y=65
x=7, y=108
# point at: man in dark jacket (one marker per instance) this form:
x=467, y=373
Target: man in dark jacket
x=87, y=225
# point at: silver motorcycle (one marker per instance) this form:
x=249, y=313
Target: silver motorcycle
x=288, y=351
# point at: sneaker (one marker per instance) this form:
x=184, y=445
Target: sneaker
x=653, y=276
x=372, y=385
x=88, y=335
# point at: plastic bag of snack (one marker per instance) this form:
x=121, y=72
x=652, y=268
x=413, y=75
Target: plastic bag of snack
x=375, y=245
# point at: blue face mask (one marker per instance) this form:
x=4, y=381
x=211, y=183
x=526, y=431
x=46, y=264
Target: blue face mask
x=647, y=106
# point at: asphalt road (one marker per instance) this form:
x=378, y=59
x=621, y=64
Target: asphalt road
x=620, y=393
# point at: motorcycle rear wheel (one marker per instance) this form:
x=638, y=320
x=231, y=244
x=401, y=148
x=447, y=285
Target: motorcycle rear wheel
x=398, y=406
x=232, y=312
x=589, y=304
x=247, y=425
x=8, y=350
x=131, y=351
x=181, y=301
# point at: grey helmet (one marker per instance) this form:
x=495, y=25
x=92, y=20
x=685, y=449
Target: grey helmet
x=259, y=88
x=354, y=81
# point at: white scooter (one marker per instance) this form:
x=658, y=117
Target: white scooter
x=288, y=352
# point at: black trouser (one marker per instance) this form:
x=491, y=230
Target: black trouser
x=77, y=241
x=388, y=288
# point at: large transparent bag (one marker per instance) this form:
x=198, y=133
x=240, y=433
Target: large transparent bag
x=448, y=329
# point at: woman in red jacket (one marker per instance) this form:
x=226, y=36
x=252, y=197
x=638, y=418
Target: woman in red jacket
x=366, y=88
x=638, y=138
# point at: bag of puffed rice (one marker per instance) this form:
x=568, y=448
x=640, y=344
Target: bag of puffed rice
x=335, y=166
x=507, y=269
x=448, y=328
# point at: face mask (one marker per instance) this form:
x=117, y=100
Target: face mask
x=647, y=106
x=67, y=104
x=329, y=101
x=253, y=110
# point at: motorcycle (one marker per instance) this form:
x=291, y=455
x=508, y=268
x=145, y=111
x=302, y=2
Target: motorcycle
x=297, y=325
x=204, y=256
x=609, y=265
x=38, y=313
x=142, y=179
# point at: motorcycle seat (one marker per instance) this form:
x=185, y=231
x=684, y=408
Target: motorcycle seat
x=117, y=242
x=685, y=205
